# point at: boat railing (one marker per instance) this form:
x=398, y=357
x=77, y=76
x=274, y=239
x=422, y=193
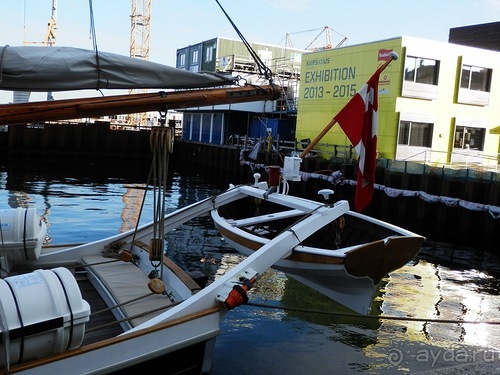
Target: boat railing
x=327, y=151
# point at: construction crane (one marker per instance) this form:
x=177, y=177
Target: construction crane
x=326, y=45
x=50, y=38
x=140, y=18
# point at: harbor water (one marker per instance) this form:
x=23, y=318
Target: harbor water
x=440, y=310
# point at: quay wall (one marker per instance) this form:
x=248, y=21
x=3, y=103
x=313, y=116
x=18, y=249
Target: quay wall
x=220, y=165
x=436, y=221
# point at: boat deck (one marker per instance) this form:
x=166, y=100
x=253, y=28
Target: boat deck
x=102, y=325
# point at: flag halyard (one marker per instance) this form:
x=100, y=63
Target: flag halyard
x=359, y=121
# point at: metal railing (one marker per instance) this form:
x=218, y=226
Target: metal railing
x=486, y=169
x=326, y=151
x=463, y=159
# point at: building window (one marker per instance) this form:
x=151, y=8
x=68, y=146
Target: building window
x=475, y=78
x=420, y=70
x=475, y=84
x=415, y=134
x=469, y=138
x=421, y=77
x=182, y=60
x=194, y=59
x=209, y=56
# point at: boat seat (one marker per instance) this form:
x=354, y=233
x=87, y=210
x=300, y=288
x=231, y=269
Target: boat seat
x=120, y=282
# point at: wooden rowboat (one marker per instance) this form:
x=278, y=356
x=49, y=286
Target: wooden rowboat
x=119, y=302
x=346, y=255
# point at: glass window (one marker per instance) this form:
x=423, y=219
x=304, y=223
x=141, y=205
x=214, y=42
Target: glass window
x=415, y=134
x=420, y=70
x=194, y=60
x=404, y=133
x=209, y=54
x=475, y=78
x=182, y=60
x=469, y=138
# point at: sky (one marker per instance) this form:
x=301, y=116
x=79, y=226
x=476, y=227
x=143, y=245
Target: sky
x=179, y=23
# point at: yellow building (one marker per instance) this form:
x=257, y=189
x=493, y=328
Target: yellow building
x=439, y=102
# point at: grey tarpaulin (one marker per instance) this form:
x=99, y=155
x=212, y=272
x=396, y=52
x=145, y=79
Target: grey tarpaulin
x=36, y=68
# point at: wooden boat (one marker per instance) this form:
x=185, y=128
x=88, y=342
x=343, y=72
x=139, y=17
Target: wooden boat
x=116, y=303
x=80, y=309
x=48, y=325
x=119, y=302
x=346, y=255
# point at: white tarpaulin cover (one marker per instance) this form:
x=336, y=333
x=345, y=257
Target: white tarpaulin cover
x=36, y=68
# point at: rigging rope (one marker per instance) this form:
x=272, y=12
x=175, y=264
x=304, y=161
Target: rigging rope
x=94, y=43
x=263, y=69
x=371, y=317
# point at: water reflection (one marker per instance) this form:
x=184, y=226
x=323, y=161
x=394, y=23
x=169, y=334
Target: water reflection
x=445, y=282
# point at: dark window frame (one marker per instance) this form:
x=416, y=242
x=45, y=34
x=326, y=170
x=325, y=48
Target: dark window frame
x=469, y=137
x=421, y=70
x=475, y=78
x=416, y=134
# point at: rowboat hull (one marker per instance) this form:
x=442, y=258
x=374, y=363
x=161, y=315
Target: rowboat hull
x=346, y=264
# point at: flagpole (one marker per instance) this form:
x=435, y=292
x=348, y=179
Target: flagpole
x=392, y=56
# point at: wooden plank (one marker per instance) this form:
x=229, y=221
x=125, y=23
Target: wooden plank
x=266, y=218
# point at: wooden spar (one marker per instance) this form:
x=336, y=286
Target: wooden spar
x=22, y=113
x=333, y=121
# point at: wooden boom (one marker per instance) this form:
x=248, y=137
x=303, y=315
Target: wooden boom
x=22, y=113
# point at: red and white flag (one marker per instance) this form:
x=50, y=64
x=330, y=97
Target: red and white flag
x=359, y=121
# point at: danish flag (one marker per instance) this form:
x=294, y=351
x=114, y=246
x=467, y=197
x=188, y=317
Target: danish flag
x=359, y=121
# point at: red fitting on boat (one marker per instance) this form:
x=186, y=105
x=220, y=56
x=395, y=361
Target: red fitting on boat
x=238, y=295
x=273, y=178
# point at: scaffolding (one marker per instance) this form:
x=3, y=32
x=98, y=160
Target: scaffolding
x=140, y=19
